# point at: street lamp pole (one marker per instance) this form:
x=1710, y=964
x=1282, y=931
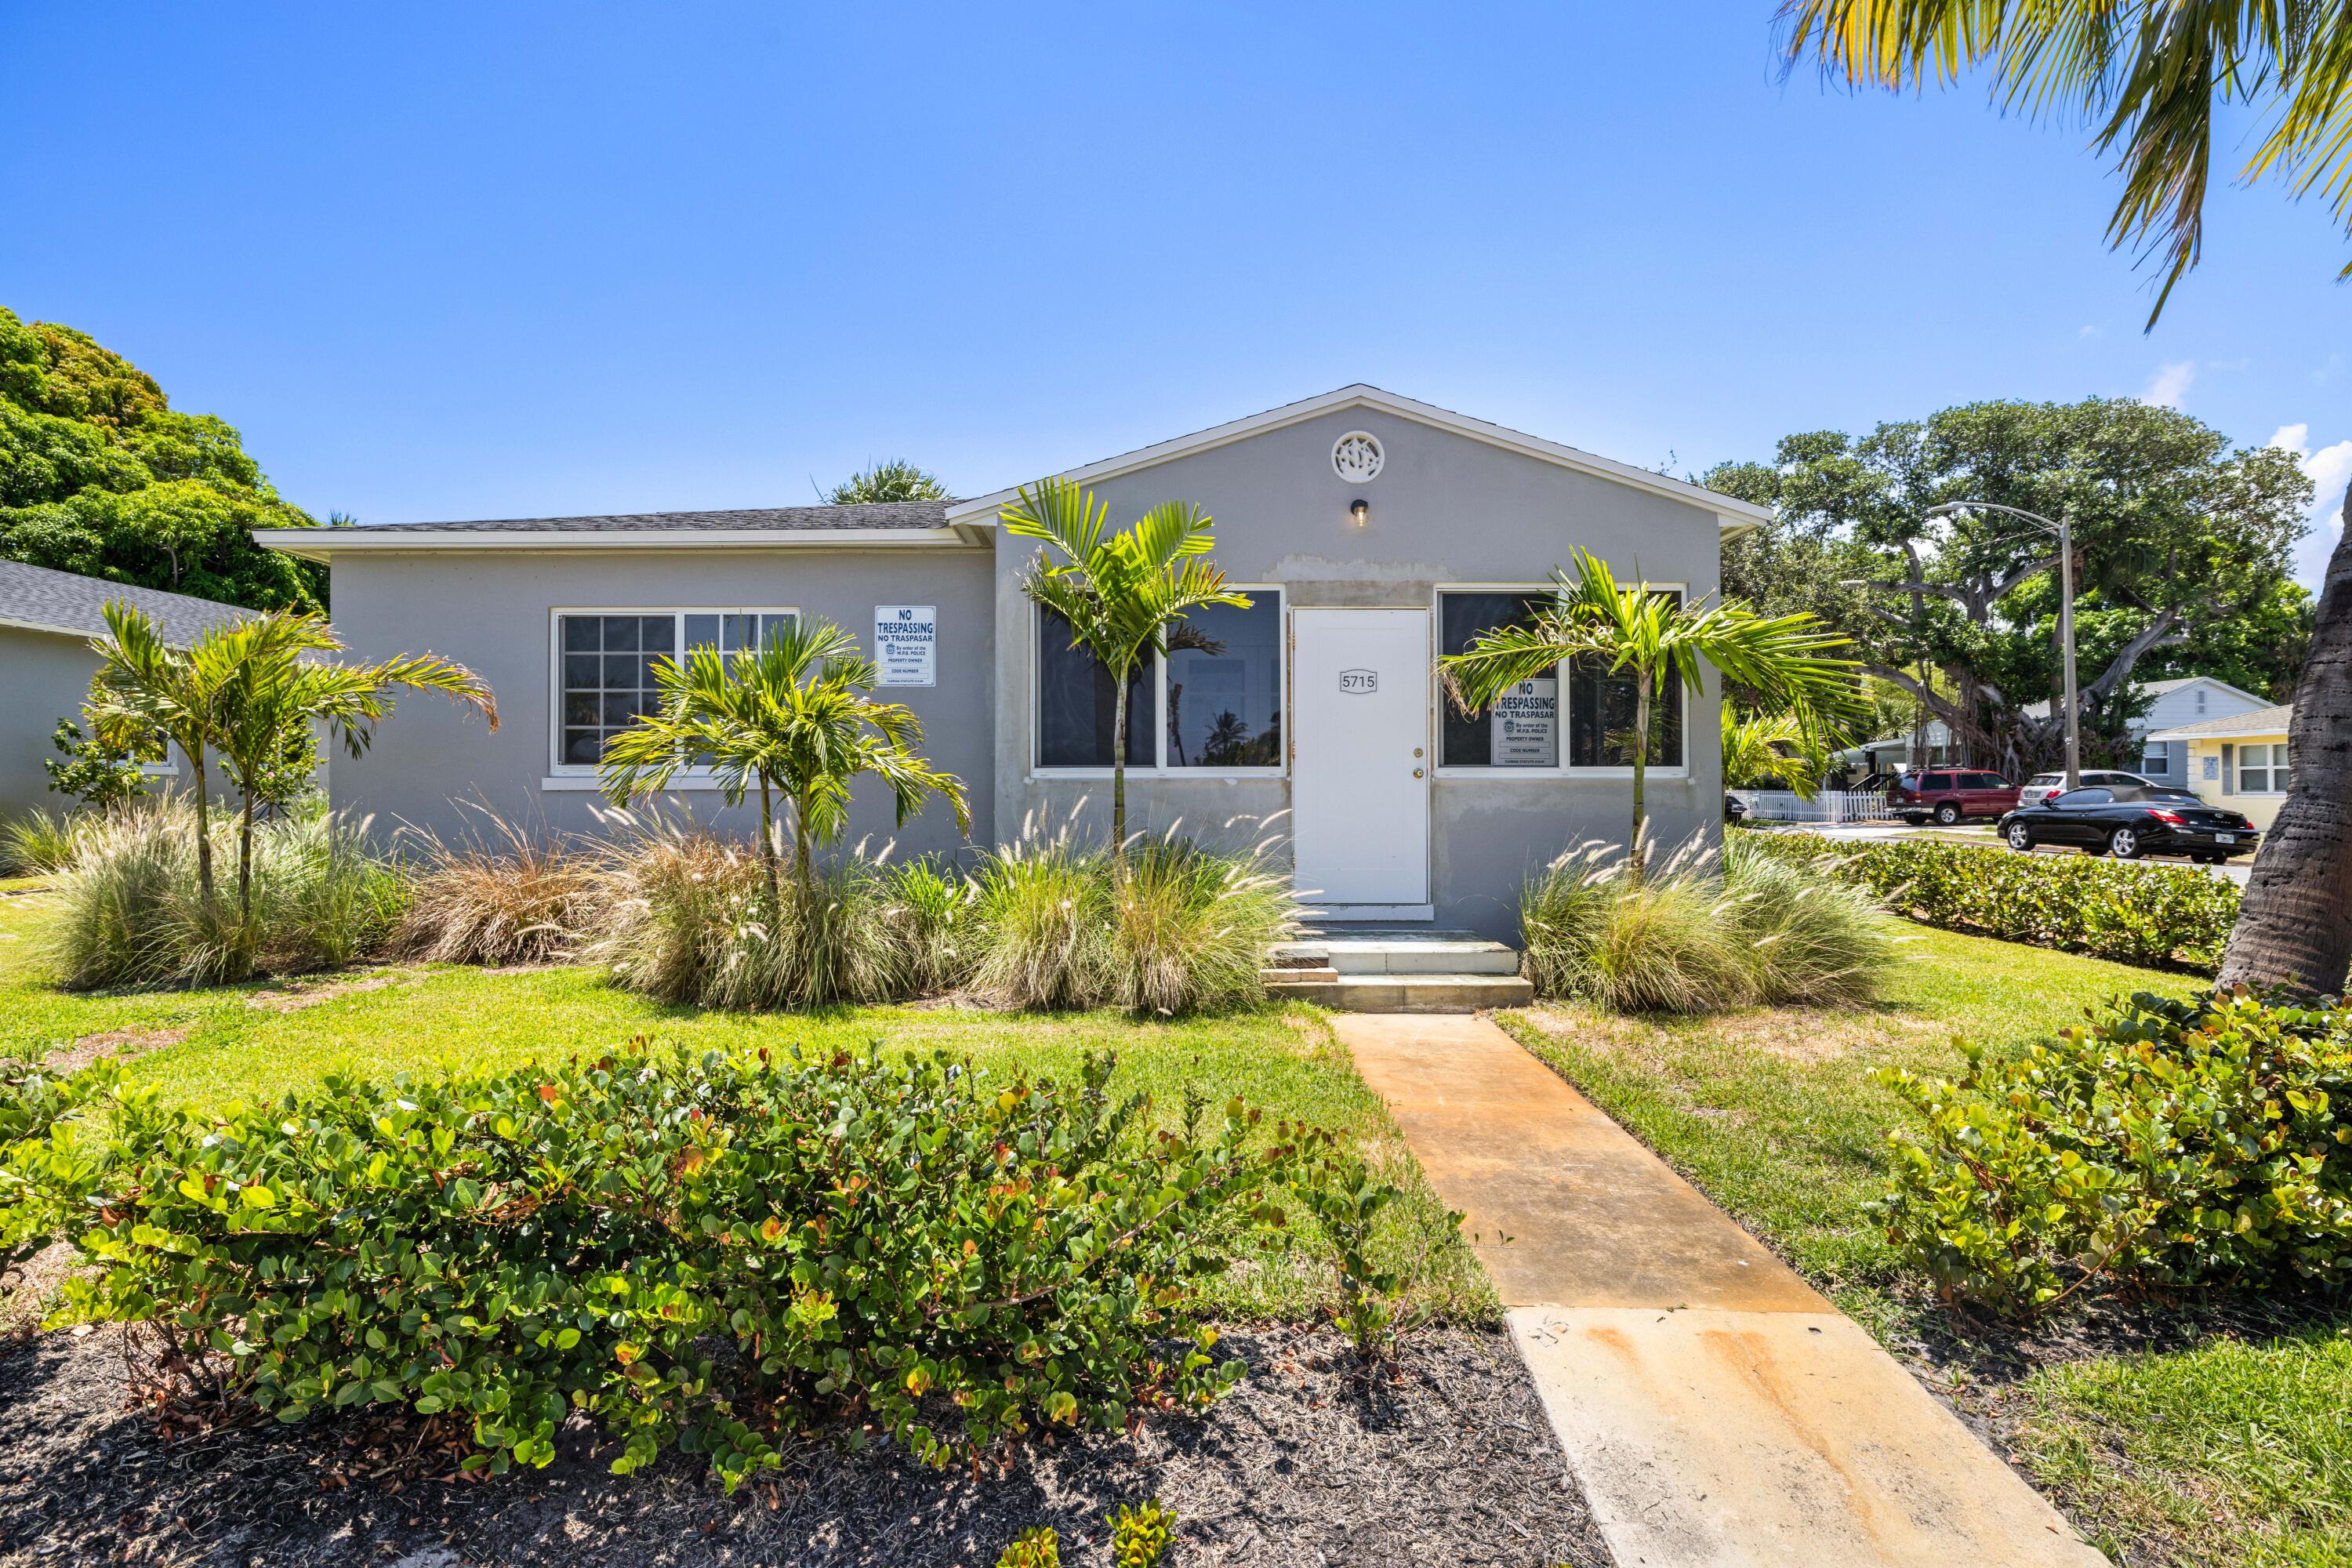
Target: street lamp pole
x=2063, y=529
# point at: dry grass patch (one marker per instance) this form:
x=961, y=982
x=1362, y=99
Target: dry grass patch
x=294, y=998
x=1805, y=1035
x=120, y=1044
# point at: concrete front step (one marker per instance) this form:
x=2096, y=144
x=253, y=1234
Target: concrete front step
x=1408, y=993
x=1300, y=975
x=1377, y=951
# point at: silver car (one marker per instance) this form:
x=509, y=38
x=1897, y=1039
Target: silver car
x=2042, y=786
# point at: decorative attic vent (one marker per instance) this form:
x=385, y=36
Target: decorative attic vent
x=1356, y=457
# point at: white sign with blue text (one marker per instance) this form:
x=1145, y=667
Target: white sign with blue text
x=906, y=644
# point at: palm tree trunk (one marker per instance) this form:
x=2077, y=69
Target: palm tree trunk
x=768, y=849
x=245, y=859
x=1119, y=774
x=1637, y=851
x=2294, y=922
x=203, y=830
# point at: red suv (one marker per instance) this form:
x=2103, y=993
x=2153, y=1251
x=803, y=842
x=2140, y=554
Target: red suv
x=1949, y=794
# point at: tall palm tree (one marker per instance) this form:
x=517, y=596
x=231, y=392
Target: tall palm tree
x=2147, y=75
x=276, y=682
x=242, y=692
x=1760, y=746
x=792, y=717
x=1122, y=594
x=1656, y=639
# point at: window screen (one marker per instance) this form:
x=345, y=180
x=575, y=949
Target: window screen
x=1225, y=686
x=1522, y=731
x=1075, y=700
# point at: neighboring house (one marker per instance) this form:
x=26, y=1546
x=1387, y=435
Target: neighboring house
x=2239, y=760
x=1371, y=533
x=46, y=621
x=2185, y=699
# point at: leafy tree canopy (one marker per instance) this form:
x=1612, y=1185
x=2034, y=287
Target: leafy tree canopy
x=99, y=475
x=2182, y=550
x=893, y=479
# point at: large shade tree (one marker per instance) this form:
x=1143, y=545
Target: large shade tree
x=1122, y=595
x=99, y=475
x=2148, y=76
x=2181, y=551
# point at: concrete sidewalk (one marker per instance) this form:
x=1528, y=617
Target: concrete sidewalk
x=1718, y=1412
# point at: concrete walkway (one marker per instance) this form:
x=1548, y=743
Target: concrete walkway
x=1719, y=1412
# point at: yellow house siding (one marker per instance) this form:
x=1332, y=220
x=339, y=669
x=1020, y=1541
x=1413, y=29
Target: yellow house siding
x=2217, y=783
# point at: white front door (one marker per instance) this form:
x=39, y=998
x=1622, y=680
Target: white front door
x=1360, y=685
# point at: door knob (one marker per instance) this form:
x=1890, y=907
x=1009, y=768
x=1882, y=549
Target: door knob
x=1416, y=773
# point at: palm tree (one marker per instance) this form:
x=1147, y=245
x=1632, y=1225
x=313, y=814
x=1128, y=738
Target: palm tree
x=791, y=716
x=1760, y=746
x=1657, y=638
x=894, y=479
x=245, y=692
x=1121, y=593
x=275, y=684
x=2147, y=74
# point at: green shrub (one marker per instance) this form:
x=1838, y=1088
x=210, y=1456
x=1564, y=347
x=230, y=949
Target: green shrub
x=50, y=1160
x=40, y=841
x=1139, y=1536
x=2166, y=1142
x=481, y=901
x=1037, y=1548
x=686, y=918
x=1689, y=938
x=129, y=911
x=1187, y=931
x=712, y=1254
x=2122, y=910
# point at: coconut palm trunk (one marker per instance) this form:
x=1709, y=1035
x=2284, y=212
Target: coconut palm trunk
x=1119, y=774
x=204, y=828
x=2294, y=920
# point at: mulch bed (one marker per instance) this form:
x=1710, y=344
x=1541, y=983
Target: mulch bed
x=1453, y=1464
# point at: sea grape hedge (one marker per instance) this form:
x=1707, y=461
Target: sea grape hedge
x=2127, y=910
x=713, y=1253
x=2166, y=1142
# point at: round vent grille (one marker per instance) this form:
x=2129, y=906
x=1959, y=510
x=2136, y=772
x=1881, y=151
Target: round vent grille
x=1356, y=457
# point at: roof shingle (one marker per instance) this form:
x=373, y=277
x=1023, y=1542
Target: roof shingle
x=68, y=602
x=776, y=518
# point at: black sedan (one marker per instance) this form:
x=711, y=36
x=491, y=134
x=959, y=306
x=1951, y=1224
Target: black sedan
x=2128, y=821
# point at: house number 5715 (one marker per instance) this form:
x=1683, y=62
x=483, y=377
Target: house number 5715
x=1359, y=680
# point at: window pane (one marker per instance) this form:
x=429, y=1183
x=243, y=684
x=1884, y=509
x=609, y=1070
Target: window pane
x=621, y=671
x=1469, y=740
x=621, y=634
x=735, y=632
x=1074, y=702
x=1601, y=718
x=579, y=707
x=772, y=626
x=702, y=631
x=581, y=746
x=580, y=634
x=580, y=668
x=1225, y=687
x=656, y=634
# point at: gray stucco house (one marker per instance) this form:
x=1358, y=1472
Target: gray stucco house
x=46, y=621
x=1372, y=532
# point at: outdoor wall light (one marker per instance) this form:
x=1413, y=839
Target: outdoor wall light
x=1359, y=511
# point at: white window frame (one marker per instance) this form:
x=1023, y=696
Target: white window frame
x=1563, y=768
x=2275, y=764
x=1159, y=768
x=563, y=776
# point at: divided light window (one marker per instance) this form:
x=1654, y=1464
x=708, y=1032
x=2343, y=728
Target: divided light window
x=1524, y=730
x=604, y=666
x=1214, y=703
x=2261, y=769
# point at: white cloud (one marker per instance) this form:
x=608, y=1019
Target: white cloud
x=2330, y=470
x=2090, y=330
x=2171, y=384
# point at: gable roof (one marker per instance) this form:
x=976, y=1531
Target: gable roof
x=2262, y=722
x=2161, y=688
x=38, y=599
x=862, y=523
x=1735, y=516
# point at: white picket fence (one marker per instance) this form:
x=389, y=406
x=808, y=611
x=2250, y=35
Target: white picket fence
x=1829, y=808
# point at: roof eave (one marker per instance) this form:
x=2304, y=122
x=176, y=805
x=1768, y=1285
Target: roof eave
x=1733, y=516
x=321, y=544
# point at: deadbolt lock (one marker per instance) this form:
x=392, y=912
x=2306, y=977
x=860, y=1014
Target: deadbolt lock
x=1416, y=751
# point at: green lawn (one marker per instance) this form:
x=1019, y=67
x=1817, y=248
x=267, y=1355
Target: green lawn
x=211, y=1048
x=2230, y=1453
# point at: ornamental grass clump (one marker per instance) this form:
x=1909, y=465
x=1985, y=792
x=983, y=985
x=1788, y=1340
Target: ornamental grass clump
x=503, y=897
x=1049, y=929
x=718, y=1253
x=41, y=841
x=2164, y=1143
x=934, y=911
x=130, y=908
x=1691, y=936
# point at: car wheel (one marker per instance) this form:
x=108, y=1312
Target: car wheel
x=2123, y=843
x=1948, y=814
x=1914, y=819
x=2020, y=837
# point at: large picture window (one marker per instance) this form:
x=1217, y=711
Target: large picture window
x=1075, y=702
x=604, y=666
x=2261, y=769
x=1225, y=687
x=1522, y=730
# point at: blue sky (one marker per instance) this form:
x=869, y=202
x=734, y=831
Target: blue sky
x=497, y=260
